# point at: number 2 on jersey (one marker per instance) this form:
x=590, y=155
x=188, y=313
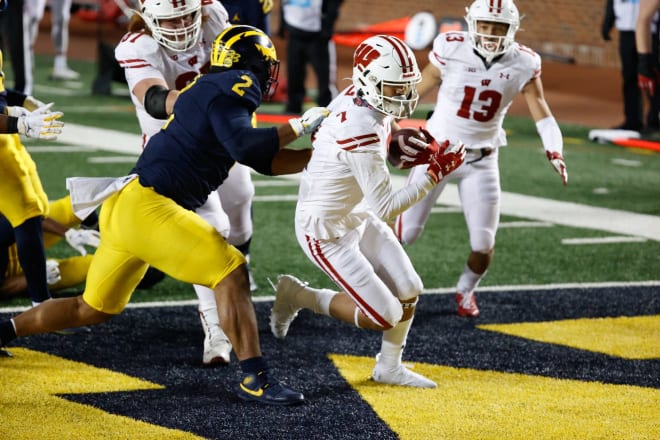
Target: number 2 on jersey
x=239, y=86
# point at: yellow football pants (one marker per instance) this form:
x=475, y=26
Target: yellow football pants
x=139, y=227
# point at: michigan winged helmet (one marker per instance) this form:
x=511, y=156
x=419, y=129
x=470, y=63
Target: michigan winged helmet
x=246, y=47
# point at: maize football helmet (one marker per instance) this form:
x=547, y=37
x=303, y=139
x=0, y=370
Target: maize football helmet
x=495, y=11
x=384, y=60
x=175, y=24
x=246, y=47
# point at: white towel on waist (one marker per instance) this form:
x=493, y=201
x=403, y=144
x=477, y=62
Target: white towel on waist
x=87, y=193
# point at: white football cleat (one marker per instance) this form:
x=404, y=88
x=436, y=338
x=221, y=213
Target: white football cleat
x=284, y=312
x=217, y=348
x=64, y=74
x=466, y=305
x=400, y=375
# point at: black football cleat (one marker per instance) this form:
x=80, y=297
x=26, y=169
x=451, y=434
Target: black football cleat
x=5, y=353
x=262, y=388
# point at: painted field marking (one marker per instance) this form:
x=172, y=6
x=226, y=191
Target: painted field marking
x=113, y=159
x=525, y=224
x=603, y=240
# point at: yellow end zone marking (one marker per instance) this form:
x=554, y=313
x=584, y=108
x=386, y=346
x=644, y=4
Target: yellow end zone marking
x=470, y=404
x=30, y=408
x=626, y=337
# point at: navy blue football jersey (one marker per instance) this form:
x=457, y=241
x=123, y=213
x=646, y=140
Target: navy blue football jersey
x=209, y=130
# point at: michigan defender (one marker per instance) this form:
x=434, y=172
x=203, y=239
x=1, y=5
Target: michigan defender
x=209, y=130
x=168, y=44
x=24, y=202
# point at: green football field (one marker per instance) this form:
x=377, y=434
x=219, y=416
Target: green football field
x=603, y=227
x=564, y=348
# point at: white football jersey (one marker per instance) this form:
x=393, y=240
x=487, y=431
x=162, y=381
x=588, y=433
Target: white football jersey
x=142, y=57
x=348, y=175
x=473, y=98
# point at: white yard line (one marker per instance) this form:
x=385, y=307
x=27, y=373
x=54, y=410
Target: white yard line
x=529, y=288
x=518, y=205
x=603, y=240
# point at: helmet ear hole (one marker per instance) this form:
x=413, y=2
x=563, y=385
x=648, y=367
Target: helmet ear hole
x=382, y=61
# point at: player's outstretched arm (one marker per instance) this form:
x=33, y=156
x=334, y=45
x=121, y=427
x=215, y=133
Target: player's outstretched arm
x=306, y=124
x=290, y=161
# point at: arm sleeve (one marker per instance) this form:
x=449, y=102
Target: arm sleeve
x=15, y=97
x=608, y=17
x=373, y=177
x=330, y=13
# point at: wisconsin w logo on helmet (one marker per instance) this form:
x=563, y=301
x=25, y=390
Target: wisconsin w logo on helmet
x=248, y=48
x=381, y=61
x=364, y=55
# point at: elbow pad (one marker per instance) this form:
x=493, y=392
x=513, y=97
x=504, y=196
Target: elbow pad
x=154, y=101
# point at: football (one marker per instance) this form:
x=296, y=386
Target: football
x=400, y=142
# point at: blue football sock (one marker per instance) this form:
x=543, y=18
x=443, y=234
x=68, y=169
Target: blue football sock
x=31, y=255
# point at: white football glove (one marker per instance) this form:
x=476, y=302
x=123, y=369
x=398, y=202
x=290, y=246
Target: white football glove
x=31, y=103
x=53, y=275
x=79, y=238
x=309, y=121
x=41, y=123
x=17, y=111
x=557, y=162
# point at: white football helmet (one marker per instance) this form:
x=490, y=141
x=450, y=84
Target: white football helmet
x=183, y=32
x=384, y=60
x=498, y=11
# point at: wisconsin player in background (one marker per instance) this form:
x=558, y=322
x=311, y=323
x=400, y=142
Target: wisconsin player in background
x=147, y=217
x=346, y=198
x=479, y=73
x=167, y=45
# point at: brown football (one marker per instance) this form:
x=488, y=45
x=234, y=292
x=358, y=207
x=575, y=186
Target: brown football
x=401, y=138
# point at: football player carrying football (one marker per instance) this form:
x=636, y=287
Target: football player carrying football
x=480, y=72
x=147, y=217
x=167, y=46
x=345, y=201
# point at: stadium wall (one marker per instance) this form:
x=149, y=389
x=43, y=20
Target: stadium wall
x=560, y=29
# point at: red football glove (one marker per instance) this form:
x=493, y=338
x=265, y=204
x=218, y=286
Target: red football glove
x=445, y=160
x=557, y=161
x=418, y=152
x=646, y=74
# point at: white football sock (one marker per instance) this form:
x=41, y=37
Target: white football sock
x=394, y=340
x=206, y=298
x=468, y=281
x=317, y=300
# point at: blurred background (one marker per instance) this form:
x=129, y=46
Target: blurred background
x=581, y=72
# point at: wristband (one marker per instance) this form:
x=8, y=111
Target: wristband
x=550, y=134
x=12, y=124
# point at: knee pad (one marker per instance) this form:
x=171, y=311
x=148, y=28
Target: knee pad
x=390, y=312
